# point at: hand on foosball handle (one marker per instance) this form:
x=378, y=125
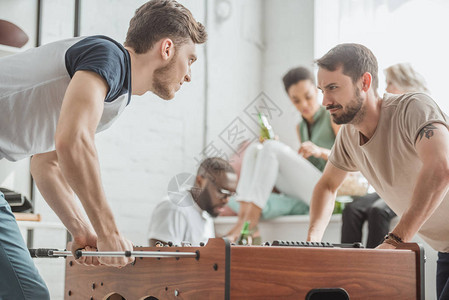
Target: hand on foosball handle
x=87, y=260
x=385, y=246
x=115, y=242
x=85, y=242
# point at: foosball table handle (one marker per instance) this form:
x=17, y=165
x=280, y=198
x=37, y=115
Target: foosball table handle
x=54, y=253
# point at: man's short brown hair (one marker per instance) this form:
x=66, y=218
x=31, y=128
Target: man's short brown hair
x=159, y=19
x=355, y=59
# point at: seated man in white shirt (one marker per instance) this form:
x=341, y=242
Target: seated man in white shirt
x=186, y=215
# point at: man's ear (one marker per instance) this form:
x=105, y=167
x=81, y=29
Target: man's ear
x=167, y=49
x=200, y=181
x=366, y=81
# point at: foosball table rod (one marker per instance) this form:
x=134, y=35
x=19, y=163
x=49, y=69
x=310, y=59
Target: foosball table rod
x=55, y=253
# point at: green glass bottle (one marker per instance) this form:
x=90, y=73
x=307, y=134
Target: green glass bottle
x=244, y=235
x=266, y=131
x=338, y=208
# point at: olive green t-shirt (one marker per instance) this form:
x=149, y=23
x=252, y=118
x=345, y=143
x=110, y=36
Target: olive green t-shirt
x=389, y=160
x=321, y=134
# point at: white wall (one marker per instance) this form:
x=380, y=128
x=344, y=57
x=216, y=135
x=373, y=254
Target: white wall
x=235, y=50
x=289, y=42
x=396, y=31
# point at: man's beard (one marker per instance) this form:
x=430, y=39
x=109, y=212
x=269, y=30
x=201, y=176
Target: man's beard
x=205, y=203
x=161, y=80
x=351, y=112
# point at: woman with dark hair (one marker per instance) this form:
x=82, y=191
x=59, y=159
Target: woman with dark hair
x=272, y=164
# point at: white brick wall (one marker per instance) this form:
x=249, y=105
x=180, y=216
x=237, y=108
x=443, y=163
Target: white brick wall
x=292, y=38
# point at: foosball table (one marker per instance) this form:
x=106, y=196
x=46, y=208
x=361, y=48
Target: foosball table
x=280, y=270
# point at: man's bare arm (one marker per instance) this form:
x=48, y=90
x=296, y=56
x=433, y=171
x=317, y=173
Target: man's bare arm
x=60, y=197
x=432, y=184
x=323, y=201
x=81, y=111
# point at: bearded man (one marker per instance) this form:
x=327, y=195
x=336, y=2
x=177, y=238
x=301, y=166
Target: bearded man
x=400, y=143
x=55, y=98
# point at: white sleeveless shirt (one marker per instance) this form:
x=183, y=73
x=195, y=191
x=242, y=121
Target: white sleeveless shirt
x=32, y=88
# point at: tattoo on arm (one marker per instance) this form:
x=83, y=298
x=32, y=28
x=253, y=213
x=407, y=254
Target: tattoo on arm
x=427, y=131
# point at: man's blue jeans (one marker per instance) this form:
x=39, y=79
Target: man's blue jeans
x=443, y=276
x=19, y=277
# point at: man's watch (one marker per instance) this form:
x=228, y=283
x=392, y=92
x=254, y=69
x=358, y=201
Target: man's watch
x=392, y=239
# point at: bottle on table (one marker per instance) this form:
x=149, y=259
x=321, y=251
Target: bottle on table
x=245, y=237
x=266, y=130
x=338, y=207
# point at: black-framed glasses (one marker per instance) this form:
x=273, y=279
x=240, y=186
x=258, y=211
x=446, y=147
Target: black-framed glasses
x=224, y=192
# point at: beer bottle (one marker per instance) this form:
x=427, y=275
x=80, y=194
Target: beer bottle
x=266, y=131
x=338, y=208
x=244, y=235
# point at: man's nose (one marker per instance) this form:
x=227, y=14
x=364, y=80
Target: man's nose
x=326, y=99
x=225, y=199
x=188, y=76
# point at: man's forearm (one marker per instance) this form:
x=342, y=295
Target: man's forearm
x=80, y=166
x=57, y=193
x=321, y=209
x=430, y=188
